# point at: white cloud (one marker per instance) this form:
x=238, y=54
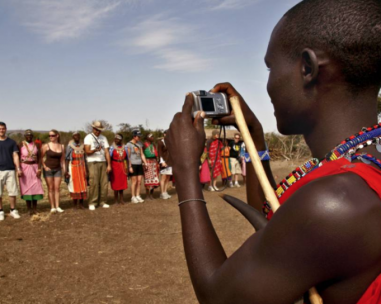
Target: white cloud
x=58, y=20
x=231, y=4
x=177, y=60
x=169, y=41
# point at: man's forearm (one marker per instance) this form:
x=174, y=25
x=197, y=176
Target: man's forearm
x=203, y=250
x=16, y=161
x=108, y=159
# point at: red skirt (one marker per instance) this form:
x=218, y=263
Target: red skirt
x=118, y=176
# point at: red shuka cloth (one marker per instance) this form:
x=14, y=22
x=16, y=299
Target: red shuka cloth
x=215, y=150
x=372, y=177
x=118, y=175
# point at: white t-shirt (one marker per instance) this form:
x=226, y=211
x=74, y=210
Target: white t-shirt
x=94, y=142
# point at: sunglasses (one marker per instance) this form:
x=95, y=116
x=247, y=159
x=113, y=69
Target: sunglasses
x=52, y=135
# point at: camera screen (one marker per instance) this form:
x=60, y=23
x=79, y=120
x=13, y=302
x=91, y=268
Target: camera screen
x=207, y=104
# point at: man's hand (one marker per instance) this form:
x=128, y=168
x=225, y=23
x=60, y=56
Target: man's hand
x=19, y=173
x=109, y=169
x=252, y=122
x=38, y=173
x=186, y=137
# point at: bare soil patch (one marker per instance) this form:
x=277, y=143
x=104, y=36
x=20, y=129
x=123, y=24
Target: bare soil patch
x=124, y=254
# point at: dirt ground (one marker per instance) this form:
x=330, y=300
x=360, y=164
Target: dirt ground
x=124, y=254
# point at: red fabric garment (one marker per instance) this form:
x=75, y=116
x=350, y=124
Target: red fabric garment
x=118, y=175
x=215, y=149
x=372, y=177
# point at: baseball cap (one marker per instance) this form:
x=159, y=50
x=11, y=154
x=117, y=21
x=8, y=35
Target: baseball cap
x=136, y=133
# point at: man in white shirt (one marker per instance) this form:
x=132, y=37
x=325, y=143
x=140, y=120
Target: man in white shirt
x=99, y=164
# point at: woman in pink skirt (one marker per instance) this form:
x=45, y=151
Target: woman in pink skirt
x=30, y=181
x=204, y=168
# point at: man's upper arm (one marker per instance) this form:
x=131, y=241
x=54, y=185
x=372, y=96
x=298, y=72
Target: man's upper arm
x=311, y=239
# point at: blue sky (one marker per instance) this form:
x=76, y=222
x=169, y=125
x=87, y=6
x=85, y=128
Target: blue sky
x=64, y=63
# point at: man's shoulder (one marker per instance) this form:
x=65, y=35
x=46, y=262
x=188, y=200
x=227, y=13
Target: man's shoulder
x=8, y=141
x=341, y=200
x=88, y=137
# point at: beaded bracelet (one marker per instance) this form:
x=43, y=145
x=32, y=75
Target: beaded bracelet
x=192, y=200
x=263, y=155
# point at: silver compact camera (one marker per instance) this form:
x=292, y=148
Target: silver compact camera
x=213, y=104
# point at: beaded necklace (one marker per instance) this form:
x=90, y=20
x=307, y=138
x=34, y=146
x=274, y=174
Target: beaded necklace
x=347, y=148
x=119, y=150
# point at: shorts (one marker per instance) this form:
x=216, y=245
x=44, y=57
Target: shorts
x=8, y=179
x=166, y=171
x=52, y=173
x=138, y=170
x=235, y=166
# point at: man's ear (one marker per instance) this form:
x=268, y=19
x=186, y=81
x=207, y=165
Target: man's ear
x=310, y=67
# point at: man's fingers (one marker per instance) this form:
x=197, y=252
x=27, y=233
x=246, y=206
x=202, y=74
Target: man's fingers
x=199, y=121
x=225, y=87
x=188, y=105
x=225, y=121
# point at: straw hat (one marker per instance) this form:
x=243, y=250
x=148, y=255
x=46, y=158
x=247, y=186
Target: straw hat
x=98, y=125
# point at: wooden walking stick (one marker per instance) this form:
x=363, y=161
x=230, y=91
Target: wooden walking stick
x=261, y=174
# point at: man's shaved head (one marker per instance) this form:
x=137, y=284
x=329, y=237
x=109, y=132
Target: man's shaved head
x=348, y=30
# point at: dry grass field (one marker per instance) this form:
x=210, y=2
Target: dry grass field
x=124, y=254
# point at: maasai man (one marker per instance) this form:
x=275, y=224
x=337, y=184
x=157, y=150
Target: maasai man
x=30, y=181
x=151, y=174
x=214, y=150
x=324, y=58
x=226, y=173
x=76, y=170
x=119, y=164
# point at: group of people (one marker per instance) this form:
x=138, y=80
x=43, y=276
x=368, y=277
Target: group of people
x=87, y=168
x=223, y=158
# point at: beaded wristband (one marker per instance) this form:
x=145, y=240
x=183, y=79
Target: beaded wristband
x=192, y=200
x=263, y=155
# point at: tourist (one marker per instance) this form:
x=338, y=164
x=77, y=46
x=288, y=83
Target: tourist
x=235, y=160
x=242, y=155
x=30, y=181
x=119, y=164
x=214, y=150
x=99, y=164
x=136, y=169
x=54, y=168
x=76, y=170
x=166, y=168
x=151, y=175
x=9, y=163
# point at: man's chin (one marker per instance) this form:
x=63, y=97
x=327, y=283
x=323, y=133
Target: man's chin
x=287, y=128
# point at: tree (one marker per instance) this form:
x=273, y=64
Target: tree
x=208, y=124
